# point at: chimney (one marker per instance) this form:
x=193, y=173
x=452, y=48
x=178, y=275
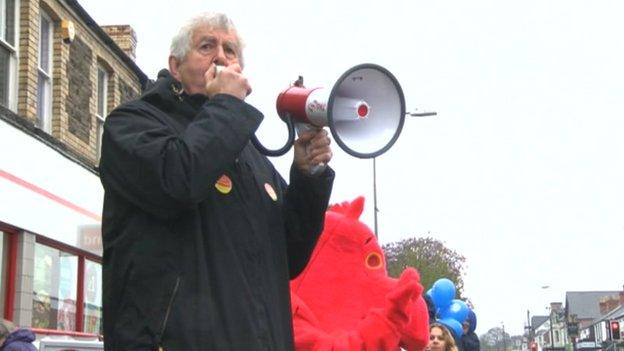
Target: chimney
x=124, y=36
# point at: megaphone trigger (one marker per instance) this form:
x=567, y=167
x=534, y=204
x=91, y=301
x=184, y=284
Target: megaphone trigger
x=304, y=127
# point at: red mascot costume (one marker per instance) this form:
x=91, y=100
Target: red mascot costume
x=345, y=301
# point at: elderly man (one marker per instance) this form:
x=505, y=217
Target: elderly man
x=201, y=234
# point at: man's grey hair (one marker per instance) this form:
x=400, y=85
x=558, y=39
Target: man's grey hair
x=181, y=42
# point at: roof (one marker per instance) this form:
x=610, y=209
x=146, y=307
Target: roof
x=537, y=321
x=90, y=22
x=585, y=304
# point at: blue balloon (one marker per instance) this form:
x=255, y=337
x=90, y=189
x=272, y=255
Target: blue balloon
x=457, y=310
x=454, y=326
x=442, y=293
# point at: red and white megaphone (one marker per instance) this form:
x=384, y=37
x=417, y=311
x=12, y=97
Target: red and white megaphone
x=364, y=110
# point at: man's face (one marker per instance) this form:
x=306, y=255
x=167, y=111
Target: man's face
x=207, y=46
x=466, y=326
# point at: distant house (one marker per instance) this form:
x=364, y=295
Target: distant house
x=602, y=328
x=537, y=321
x=591, y=309
x=586, y=315
x=547, y=337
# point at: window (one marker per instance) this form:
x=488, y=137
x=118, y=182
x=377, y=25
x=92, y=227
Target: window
x=8, y=54
x=44, y=83
x=55, y=285
x=92, y=297
x=67, y=288
x=102, y=108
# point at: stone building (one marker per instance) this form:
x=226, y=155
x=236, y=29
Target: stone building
x=60, y=75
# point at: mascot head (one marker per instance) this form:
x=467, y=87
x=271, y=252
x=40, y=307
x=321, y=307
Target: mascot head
x=346, y=277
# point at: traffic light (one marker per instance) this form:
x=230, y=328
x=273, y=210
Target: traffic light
x=533, y=346
x=615, y=330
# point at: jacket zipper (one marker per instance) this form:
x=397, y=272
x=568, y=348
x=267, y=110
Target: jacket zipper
x=164, y=323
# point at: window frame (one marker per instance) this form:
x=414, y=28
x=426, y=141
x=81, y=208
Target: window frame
x=10, y=270
x=44, y=94
x=80, y=293
x=102, y=98
x=83, y=307
x=12, y=46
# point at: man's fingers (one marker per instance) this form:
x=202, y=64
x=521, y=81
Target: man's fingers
x=320, y=141
x=236, y=68
x=226, y=80
x=305, y=137
x=323, y=157
x=315, y=136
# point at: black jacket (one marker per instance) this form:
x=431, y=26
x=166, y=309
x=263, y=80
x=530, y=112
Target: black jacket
x=200, y=232
x=19, y=340
x=469, y=342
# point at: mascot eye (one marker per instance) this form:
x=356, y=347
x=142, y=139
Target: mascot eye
x=374, y=261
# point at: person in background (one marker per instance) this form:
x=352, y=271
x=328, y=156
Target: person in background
x=470, y=340
x=431, y=309
x=201, y=234
x=15, y=339
x=440, y=339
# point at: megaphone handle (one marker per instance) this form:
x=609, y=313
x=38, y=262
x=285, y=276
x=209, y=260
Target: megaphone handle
x=303, y=127
x=284, y=149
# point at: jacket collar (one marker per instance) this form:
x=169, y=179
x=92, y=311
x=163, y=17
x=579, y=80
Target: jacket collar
x=167, y=94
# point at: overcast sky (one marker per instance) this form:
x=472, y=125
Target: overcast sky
x=521, y=171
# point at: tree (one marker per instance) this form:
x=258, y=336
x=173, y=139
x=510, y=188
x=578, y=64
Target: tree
x=495, y=340
x=430, y=257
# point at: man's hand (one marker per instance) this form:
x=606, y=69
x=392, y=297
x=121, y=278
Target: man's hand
x=311, y=149
x=229, y=80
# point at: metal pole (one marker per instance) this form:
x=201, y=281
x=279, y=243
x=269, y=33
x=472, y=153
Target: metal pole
x=504, y=341
x=413, y=114
x=528, y=331
x=422, y=114
x=375, y=194
x=552, y=339
x=529, y=325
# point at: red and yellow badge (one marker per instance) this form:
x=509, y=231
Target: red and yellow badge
x=224, y=184
x=269, y=189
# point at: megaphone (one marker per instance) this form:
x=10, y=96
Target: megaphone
x=365, y=111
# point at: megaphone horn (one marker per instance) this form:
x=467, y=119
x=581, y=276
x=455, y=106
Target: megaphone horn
x=365, y=110
x=311, y=106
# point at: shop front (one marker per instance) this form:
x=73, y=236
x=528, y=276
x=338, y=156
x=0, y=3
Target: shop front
x=50, y=241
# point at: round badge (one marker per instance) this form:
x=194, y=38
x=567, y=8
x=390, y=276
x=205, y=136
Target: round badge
x=224, y=184
x=269, y=189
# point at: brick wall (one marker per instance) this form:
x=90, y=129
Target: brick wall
x=80, y=90
x=126, y=92
x=74, y=77
x=125, y=37
x=27, y=60
x=609, y=303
